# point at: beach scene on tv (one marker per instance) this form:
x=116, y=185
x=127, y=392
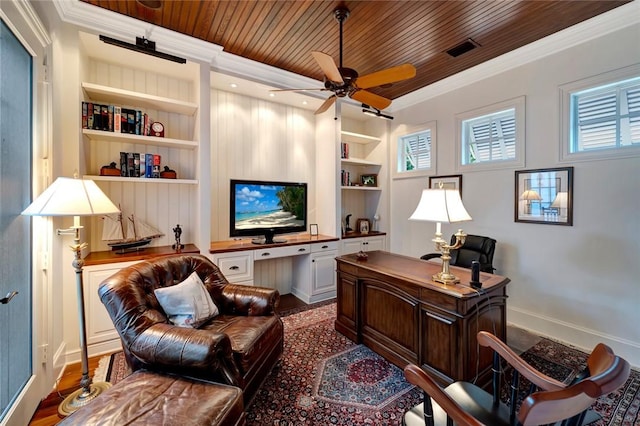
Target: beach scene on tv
x=269, y=206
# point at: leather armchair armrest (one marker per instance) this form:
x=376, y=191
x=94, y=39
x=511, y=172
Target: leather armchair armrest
x=250, y=301
x=168, y=347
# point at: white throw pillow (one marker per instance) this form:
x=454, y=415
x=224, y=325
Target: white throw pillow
x=187, y=304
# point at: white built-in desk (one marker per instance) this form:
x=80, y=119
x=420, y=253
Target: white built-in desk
x=312, y=257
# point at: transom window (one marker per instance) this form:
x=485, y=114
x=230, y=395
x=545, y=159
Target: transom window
x=416, y=151
x=606, y=117
x=491, y=137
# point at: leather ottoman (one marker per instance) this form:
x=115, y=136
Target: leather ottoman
x=149, y=398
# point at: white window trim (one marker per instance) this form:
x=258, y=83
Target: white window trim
x=566, y=91
x=519, y=105
x=406, y=130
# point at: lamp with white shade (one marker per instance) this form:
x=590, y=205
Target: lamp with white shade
x=75, y=197
x=443, y=205
x=561, y=202
x=530, y=195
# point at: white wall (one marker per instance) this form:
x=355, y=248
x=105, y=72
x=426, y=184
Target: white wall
x=578, y=284
x=257, y=139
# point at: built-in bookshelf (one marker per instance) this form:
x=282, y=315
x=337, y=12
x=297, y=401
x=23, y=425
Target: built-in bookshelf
x=360, y=156
x=168, y=94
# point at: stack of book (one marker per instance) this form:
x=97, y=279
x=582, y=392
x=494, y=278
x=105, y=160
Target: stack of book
x=111, y=118
x=135, y=164
x=344, y=150
x=346, y=178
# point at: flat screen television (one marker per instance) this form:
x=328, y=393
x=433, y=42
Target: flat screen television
x=265, y=208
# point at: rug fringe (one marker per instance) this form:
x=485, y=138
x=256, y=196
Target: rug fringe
x=100, y=373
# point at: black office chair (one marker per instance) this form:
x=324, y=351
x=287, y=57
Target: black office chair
x=475, y=247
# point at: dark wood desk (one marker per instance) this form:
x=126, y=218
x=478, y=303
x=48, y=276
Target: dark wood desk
x=389, y=303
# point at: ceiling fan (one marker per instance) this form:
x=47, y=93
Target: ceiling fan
x=346, y=82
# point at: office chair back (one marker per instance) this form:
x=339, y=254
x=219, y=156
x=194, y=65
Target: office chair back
x=475, y=247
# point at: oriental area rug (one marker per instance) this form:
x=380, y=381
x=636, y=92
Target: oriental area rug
x=324, y=378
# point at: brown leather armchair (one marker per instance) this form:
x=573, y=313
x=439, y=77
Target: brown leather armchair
x=238, y=347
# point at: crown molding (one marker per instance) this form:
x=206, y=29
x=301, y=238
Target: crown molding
x=101, y=21
x=20, y=12
x=614, y=20
x=248, y=69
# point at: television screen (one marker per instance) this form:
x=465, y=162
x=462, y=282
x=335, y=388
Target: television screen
x=264, y=208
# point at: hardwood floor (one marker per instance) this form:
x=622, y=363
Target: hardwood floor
x=47, y=413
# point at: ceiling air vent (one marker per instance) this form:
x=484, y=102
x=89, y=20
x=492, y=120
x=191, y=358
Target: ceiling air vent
x=463, y=47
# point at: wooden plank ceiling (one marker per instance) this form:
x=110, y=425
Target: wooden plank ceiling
x=377, y=34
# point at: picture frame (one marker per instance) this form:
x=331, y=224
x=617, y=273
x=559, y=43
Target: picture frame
x=448, y=182
x=544, y=196
x=363, y=226
x=313, y=229
x=369, y=180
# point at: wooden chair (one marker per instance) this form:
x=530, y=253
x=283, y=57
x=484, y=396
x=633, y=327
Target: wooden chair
x=549, y=401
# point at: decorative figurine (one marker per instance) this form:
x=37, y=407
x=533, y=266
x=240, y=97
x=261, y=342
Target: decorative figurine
x=177, y=232
x=346, y=224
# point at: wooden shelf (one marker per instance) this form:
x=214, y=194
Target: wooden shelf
x=112, y=256
x=362, y=188
x=142, y=180
x=357, y=138
x=100, y=135
x=99, y=93
x=359, y=162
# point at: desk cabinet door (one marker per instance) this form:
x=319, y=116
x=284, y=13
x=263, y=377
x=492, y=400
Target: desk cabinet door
x=346, y=321
x=440, y=351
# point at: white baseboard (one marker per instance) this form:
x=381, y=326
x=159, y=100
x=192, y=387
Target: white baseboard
x=573, y=335
x=94, y=350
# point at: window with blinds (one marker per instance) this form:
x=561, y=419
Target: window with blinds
x=491, y=137
x=415, y=152
x=605, y=117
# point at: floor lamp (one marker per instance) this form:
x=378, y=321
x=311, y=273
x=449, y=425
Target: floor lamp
x=75, y=197
x=443, y=205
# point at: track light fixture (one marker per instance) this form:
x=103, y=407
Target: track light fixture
x=375, y=112
x=143, y=45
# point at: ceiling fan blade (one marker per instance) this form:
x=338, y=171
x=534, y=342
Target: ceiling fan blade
x=326, y=104
x=376, y=101
x=390, y=75
x=298, y=90
x=328, y=66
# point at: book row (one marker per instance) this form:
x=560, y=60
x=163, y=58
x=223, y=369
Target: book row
x=111, y=118
x=135, y=164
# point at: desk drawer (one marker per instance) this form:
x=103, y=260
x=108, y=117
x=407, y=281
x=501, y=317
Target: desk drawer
x=326, y=246
x=235, y=266
x=275, y=252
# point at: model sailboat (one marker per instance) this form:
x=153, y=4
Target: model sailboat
x=127, y=233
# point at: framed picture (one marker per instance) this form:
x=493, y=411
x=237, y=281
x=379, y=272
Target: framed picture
x=369, y=180
x=544, y=196
x=313, y=229
x=448, y=182
x=363, y=226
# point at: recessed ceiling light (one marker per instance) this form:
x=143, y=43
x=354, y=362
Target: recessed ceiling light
x=272, y=94
x=304, y=102
x=233, y=85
